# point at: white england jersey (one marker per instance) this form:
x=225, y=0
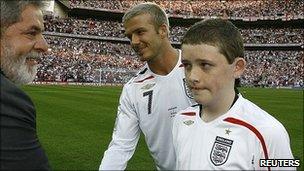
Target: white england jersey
x=148, y=103
x=236, y=140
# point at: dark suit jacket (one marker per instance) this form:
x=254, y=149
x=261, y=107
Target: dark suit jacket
x=20, y=147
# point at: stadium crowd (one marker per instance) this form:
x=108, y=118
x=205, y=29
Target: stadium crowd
x=81, y=60
x=78, y=60
x=115, y=29
x=274, y=68
x=235, y=8
x=99, y=61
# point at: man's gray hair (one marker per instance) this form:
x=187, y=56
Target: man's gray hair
x=157, y=13
x=11, y=10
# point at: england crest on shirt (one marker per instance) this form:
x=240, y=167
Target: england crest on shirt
x=220, y=150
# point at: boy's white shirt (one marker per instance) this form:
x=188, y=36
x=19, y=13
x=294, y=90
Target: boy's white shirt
x=229, y=144
x=169, y=95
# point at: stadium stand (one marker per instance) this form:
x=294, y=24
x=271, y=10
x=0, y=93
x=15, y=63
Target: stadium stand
x=234, y=8
x=79, y=60
x=115, y=29
x=274, y=69
x=94, y=49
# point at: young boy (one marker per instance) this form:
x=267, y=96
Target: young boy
x=225, y=130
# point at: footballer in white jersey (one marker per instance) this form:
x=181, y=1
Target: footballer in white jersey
x=148, y=103
x=236, y=140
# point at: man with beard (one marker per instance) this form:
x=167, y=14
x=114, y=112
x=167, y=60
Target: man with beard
x=22, y=43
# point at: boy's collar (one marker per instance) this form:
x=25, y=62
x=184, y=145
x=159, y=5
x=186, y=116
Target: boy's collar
x=234, y=100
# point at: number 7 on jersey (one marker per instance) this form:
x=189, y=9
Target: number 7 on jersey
x=149, y=94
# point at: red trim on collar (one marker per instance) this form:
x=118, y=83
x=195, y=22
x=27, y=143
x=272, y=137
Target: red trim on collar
x=140, y=81
x=189, y=113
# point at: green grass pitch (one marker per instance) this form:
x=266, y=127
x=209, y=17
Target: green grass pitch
x=75, y=123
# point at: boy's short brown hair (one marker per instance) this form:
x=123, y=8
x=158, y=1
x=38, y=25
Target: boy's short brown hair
x=217, y=32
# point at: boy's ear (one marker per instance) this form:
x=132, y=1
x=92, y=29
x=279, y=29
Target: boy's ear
x=239, y=67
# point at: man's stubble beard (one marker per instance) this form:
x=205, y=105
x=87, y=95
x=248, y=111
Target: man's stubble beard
x=15, y=68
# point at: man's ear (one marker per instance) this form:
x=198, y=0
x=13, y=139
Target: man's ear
x=163, y=31
x=239, y=67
